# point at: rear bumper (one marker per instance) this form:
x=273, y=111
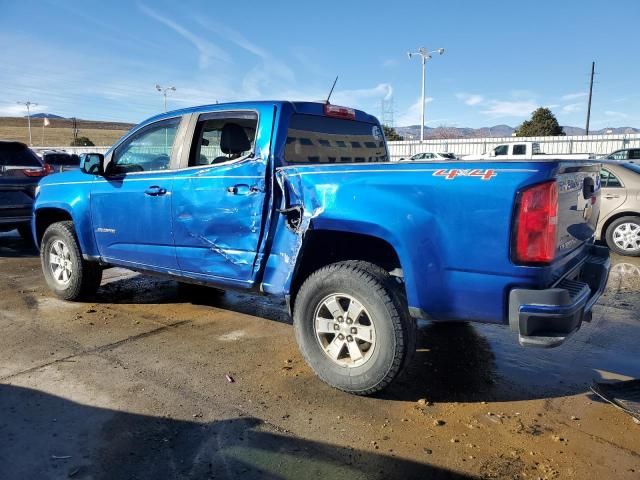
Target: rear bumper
x=545, y=318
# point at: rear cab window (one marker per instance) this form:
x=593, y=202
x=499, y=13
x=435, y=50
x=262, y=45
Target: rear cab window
x=317, y=139
x=17, y=155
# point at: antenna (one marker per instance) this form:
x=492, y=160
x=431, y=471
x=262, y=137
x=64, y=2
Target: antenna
x=332, y=87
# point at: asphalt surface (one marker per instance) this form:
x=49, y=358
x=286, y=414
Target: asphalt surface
x=134, y=385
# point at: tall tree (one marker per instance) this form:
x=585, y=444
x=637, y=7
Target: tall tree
x=543, y=123
x=390, y=133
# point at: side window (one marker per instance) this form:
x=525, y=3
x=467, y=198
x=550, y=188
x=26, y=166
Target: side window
x=609, y=180
x=147, y=150
x=221, y=137
x=634, y=154
x=519, y=149
x=502, y=150
x=619, y=155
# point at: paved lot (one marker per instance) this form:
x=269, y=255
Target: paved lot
x=133, y=385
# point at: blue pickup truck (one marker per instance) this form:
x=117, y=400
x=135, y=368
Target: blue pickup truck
x=299, y=200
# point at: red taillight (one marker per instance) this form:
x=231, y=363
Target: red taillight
x=339, y=112
x=36, y=172
x=536, y=224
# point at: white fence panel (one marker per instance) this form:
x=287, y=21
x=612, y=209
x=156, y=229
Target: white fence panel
x=597, y=144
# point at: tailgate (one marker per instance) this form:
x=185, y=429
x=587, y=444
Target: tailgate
x=578, y=204
x=16, y=189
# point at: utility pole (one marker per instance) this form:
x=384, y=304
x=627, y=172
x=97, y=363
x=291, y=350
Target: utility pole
x=593, y=70
x=28, y=104
x=424, y=55
x=164, y=93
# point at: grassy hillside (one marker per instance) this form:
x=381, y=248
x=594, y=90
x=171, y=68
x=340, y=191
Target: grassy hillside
x=59, y=132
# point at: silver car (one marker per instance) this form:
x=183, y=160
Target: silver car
x=619, y=224
x=624, y=154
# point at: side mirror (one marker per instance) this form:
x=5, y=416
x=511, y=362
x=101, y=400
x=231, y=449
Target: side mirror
x=92, y=163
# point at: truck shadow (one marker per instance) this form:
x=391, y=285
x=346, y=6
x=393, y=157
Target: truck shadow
x=460, y=362
x=46, y=436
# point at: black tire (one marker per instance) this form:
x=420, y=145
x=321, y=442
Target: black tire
x=384, y=300
x=24, y=230
x=85, y=276
x=610, y=232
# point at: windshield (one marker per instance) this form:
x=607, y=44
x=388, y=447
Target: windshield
x=319, y=139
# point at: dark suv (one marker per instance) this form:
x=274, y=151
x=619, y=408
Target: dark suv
x=20, y=171
x=60, y=161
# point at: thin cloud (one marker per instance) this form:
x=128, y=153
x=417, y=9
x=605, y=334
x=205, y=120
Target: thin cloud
x=611, y=113
x=206, y=49
x=470, y=99
x=498, y=108
x=271, y=65
x=574, y=96
x=573, y=107
x=382, y=91
x=16, y=110
x=413, y=115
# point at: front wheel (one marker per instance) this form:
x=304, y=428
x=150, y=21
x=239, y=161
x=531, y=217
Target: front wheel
x=623, y=236
x=353, y=327
x=68, y=275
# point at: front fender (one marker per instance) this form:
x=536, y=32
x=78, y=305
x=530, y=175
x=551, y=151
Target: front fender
x=72, y=198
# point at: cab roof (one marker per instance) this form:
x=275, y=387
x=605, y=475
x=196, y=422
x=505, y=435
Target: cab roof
x=308, y=108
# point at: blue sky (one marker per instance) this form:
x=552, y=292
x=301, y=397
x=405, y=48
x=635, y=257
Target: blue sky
x=101, y=60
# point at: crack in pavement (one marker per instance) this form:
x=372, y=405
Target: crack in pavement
x=98, y=349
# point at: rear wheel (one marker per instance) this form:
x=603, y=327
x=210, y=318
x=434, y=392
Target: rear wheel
x=66, y=272
x=353, y=326
x=623, y=236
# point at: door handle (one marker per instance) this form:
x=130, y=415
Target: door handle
x=242, y=189
x=155, y=191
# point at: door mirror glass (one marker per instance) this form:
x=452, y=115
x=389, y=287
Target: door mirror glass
x=92, y=163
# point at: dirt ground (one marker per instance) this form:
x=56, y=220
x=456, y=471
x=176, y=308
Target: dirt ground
x=133, y=385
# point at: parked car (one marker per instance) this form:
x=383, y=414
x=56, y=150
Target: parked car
x=626, y=154
x=526, y=150
x=299, y=201
x=20, y=171
x=619, y=224
x=59, y=160
x=431, y=156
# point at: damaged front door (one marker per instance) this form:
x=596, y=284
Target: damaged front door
x=219, y=198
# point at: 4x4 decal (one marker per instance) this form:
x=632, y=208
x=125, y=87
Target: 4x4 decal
x=460, y=172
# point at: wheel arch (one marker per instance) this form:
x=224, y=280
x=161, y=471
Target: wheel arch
x=322, y=247
x=45, y=217
x=605, y=226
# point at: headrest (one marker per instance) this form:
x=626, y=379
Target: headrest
x=233, y=139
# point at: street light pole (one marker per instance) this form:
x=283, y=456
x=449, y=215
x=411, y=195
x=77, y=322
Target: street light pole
x=424, y=55
x=28, y=104
x=164, y=93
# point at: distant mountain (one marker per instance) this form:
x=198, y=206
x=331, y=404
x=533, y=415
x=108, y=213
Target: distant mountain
x=412, y=132
x=45, y=115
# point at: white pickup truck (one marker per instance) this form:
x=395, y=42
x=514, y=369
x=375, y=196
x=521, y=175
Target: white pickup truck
x=523, y=151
